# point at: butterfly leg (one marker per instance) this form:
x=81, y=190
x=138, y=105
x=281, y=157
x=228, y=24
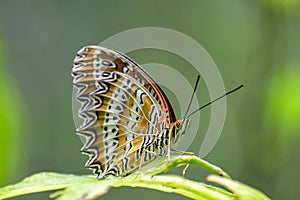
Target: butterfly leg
x=140, y=164
x=142, y=158
x=169, y=149
x=184, y=152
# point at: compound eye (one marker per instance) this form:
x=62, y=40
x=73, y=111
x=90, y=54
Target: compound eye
x=178, y=123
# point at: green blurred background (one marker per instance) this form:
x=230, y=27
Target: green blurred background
x=255, y=42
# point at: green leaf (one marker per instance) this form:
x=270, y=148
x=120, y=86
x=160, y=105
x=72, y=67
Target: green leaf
x=87, y=187
x=240, y=190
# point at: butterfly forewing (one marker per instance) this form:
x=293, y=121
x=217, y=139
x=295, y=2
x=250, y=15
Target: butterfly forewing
x=124, y=111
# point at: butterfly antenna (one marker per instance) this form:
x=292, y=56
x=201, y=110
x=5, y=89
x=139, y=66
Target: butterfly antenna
x=190, y=103
x=220, y=97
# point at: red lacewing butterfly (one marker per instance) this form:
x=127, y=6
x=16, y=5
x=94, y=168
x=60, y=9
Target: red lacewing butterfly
x=127, y=118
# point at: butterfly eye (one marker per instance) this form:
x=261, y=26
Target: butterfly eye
x=178, y=123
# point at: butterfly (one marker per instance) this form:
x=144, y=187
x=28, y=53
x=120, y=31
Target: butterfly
x=127, y=118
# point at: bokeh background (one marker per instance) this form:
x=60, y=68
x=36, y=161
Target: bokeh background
x=254, y=42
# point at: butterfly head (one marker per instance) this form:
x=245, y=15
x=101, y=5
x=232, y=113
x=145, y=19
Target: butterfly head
x=180, y=127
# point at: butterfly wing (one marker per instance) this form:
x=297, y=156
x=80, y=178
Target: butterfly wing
x=124, y=111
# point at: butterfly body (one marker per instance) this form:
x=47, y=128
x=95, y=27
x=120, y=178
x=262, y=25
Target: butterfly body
x=127, y=118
